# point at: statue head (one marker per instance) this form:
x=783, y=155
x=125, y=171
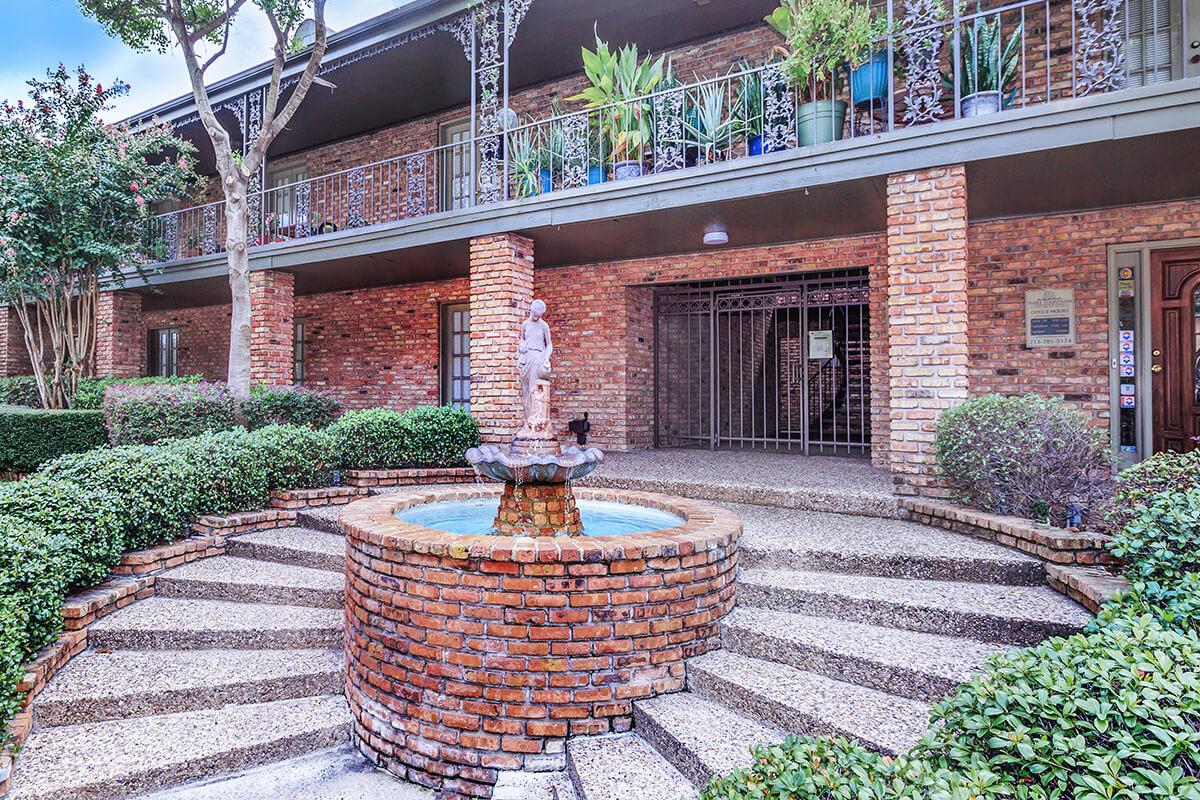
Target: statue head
x=537, y=309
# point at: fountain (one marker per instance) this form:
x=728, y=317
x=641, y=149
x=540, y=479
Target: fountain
x=487, y=624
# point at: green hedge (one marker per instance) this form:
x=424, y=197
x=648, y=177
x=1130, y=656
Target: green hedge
x=148, y=413
x=21, y=390
x=1152, y=478
x=29, y=437
x=425, y=436
x=289, y=405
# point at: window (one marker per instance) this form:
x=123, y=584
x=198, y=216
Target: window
x=298, y=353
x=455, y=171
x=1151, y=32
x=281, y=201
x=456, y=355
x=162, y=356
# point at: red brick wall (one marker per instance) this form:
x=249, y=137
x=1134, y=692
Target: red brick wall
x=203, y=338
x=120, y=337
x=272, y=311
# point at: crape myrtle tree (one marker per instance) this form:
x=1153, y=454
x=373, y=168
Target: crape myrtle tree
x=73, y=204
x=201, y=29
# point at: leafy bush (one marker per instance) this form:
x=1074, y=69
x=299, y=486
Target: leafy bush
x=289, y=405
x=1161, y=544
x=147, y=413
x=1030, y=456
x=29, y=437
x=225, y=471
x=438, y=436
x=295, y=457
x=34, y=567
x=1174, y=605
x=20, y=390
x=369, y=439
x=91, y=390
x=1138, y=485
x=87, y=517
x=425, y=436
x=155, y=488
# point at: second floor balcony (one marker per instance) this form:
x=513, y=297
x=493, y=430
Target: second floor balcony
x=935, y=65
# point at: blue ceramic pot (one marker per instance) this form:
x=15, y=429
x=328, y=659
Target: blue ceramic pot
x=869, y=81
x=547, y=181
x=597, y=174
x=755, y=145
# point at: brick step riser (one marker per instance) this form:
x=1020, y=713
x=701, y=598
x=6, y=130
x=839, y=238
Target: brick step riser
x=317, y=522
x=675, y=752
x=250, y=593
x=84, y=710
x=899, y=566
x=752, y=704
x=914, y=685
x=304, y=638
x=979, y=626
x=165, y=777
x=285, y=555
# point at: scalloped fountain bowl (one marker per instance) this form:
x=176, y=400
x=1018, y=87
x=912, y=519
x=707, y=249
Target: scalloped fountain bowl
x=569, y=465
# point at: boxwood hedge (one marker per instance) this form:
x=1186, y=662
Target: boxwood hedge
x=424, y=436
x=144, y=414
x=29, y=437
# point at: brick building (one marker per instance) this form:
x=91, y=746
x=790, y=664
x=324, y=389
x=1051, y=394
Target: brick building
x=828, y=291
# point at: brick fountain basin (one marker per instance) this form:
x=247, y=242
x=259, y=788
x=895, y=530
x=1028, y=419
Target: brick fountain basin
x=469, y=654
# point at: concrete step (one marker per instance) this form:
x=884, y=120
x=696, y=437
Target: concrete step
x=804, y=702
x=623, y=767
x=775, y=538
x=322, y=518
x=118, y=758
x=252, y=581
x=100, y=685
x=699, y=737
x=1021, y=615
x=919, y=666
x=534, y=786
x=174, y=623
x=301, y=547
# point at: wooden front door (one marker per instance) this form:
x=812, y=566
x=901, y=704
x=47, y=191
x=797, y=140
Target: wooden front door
x=1175, y=348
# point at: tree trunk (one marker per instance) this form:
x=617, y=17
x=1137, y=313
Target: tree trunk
x=237, y=221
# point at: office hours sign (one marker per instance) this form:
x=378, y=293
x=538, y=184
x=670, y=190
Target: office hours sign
x=1050, y=317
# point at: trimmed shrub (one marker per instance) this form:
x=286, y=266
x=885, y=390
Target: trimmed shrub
x=225, y=470
x=1031, y=456
x=1161, y=544
x=34, y=567
x=1161, y=473
x=289, y=405
x=20, y=390
x=294, y=457
x=438, y=436
x=369, y=439
x=91, y=390
x=155, y=488
x=29, y=437
x=148, y=413
x=88, y=518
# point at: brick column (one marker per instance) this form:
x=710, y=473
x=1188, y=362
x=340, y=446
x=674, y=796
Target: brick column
x=501, y=291
x=926, y=315
x=14, y=358
x=272, y=320
x=120, y=340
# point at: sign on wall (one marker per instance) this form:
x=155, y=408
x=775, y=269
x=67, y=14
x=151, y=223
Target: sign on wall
x=820, y=344
x=1049, y=317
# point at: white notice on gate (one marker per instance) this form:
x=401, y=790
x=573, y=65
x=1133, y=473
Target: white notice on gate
x=1049, y=317
x=820, y=344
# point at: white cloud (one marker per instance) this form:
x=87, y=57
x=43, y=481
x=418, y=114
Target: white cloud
x=159, y=77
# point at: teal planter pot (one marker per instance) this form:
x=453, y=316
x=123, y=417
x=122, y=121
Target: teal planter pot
x=869, y=81
x=821, y=122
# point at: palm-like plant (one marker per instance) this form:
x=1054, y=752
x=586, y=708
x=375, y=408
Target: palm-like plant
x=526, y=153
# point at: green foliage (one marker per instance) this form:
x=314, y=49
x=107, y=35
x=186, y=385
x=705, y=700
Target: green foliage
x=147, y=413
x=986, y=62
x=1174, y=605
x=1138, y=485
x=86, y=516
x=144, y=25
x=1027, y=455
x=20, y=390
x=35, y=567
x=1161, y=544
x=295, y=457
x=710, y=125
x=75, y=192
x=425, y=436
x=91, y=390
x=289, y=405
x=30, y=437
x=225, y=470
x=154, y=488
x=620, y=80
x=823, y=36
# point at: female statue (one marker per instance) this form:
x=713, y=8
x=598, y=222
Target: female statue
x=533, y=362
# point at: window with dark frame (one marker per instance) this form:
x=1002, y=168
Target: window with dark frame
x=455, y=158
x=162, y=353
x=456, y=355
x=298, y=353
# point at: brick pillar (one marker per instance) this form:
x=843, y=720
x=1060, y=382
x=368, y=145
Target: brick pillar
x=120, y=340
x=14, y=358
x=272, y=320
x=501, y=291
x=926, y=315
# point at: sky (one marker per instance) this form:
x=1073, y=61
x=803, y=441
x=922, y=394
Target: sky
x=38, y=34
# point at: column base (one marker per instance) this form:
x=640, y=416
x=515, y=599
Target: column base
x=538, y=509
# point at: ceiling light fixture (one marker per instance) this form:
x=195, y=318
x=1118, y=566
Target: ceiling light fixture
x=715, y=236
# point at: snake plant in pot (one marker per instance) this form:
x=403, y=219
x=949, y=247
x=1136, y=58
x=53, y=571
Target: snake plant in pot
x=987, y=66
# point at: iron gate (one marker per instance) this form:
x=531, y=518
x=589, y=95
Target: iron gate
x=768, y=364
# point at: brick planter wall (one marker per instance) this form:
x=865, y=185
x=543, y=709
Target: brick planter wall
x=472, y=654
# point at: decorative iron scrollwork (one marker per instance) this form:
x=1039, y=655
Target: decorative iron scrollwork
x=779, y=109
x=415, y=187
x=209, y=243
x=356, y=189
x=924, y=35
x=1100, y=56
x=303, y=209
x=575, y=151
x=171, y=235
x=668, y=131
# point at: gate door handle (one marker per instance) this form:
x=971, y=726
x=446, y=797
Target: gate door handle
x=1157, y=368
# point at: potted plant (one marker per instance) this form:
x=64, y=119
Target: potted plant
x=621, y=81
x=526, y=154
x=987, y=66
x=708, y=125
x=748, y=112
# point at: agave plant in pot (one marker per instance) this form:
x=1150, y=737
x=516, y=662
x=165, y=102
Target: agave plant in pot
x=526, y=163
x=709, y=124
x=987, y=65
x=621, y=82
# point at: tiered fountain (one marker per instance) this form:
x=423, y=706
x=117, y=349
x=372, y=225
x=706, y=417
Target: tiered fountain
x=486, y=625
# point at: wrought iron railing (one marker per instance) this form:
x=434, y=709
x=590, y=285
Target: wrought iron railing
x=936, y=64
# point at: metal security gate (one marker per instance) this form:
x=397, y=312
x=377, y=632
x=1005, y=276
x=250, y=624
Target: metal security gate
x=769, y=364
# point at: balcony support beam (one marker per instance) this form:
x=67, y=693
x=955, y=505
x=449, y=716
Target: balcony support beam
x=120, y=340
